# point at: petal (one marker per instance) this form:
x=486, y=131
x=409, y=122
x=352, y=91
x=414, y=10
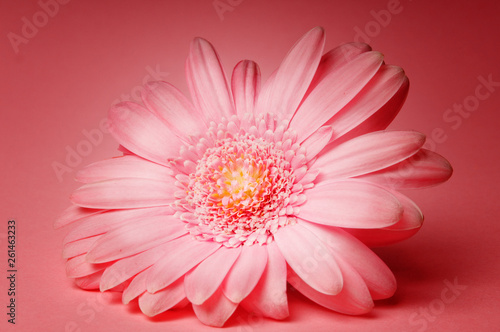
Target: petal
x=423, y=169
x=90, y=282
x=216, y=310
x=246, y=86
x=354, y=299
x=141, y=132
x=128, y=166
x=369, y=153
x=284, y=93
x=130, y=266
x=154, y=304
x=107, y=221
x=176, y=111
x=125, y=193
x=301, y=248
x=331, y=94
x=134, y=238
x=185, y=254
x=375, y=273
x=317, y=141
x=245, y=273
x=79, y=247
x=207, y=81
x=136, y=287
x=78, y=267
x=375, y=106
x=72, y=214
x=406, y=227
x=353, y=204
x=269, y=297
x=205, y=279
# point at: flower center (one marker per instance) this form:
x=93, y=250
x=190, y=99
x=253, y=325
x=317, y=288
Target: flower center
x=240, y=187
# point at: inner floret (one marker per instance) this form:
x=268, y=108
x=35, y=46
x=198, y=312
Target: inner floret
x=240, y=189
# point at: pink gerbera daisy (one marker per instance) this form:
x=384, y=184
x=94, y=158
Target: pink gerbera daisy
x=222, y=200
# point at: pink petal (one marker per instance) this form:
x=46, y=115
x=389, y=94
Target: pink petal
x=369, y=153
x=141, y=132
x=134, y=238
x=128, y=166
x=170, y=105
x=336, y=58
x=301, y=248
x=245, y=273
x=72, y=214
x=216, y=310
x=79, y=247
x=423, y=169
x=246, y=86
x=207, y=81
x=293, y=76
x=130, y=266
x=78, y=267
x=406, y=227
x=375, y=273
x=182, y=257
x=334, y=92
x=269, y=297
x=353, y=204
x=154, y=304
x=136, y=287
x=375, y=106
x=90, y=282
x=205, y=279
x=354, y=299
x=317, y=141
x=125, y=193
x=107, y=221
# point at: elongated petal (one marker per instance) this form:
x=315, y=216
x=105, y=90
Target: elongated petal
x=207, y=81
x=136, y=287
x=171, y=106
x=72, y=214
x=124, y=193
x=130, y=266
x=107, y=221
x=203, y=280
x=141, y=132
x=423, y=169
x=317, y=141
x=246, y=86
x=406, y=227
x=377, y=276
x=334, y=92
x=134, y=238
x=369, y=153
x=154, y=304
x=90, y=282
x=269, y=297
x=128, y=166
x=353, y=204
x=354, y=299
x=293, y=76
x=181, y=258
x=301, y=248
x=245, y=273
x=79, y=247
x=78, y=267
x=388, y=82
x=216, y=310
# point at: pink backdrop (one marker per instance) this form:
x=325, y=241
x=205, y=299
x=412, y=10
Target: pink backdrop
x=63, y=66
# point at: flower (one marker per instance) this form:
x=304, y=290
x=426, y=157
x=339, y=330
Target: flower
x=222, y=200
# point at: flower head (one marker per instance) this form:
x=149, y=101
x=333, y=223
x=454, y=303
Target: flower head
x=222, y=200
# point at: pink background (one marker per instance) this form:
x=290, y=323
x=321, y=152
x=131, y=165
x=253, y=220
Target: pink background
x=64, y=77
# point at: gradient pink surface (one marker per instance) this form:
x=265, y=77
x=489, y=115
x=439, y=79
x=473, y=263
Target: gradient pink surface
x=59, y=78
